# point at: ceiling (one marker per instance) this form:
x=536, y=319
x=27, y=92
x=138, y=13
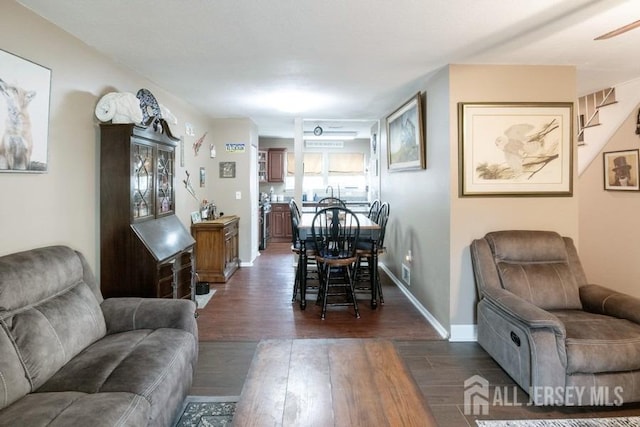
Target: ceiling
x=349, y=62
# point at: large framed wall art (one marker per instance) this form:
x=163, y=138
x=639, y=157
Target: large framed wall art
x=25, y=89
x=405, y=136
x=515, y=149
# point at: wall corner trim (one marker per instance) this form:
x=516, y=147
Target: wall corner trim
x=423, y=311
x=464, y=333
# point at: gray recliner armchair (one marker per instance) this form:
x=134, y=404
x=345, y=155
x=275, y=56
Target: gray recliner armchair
x=564, y=341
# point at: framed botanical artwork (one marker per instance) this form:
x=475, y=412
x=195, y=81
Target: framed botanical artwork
x=405, y=137
x=515, y=149
x=621, y=170
x=25, y=89
x=227, y=169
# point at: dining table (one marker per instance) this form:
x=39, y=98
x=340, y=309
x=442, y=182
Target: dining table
x=369, y=231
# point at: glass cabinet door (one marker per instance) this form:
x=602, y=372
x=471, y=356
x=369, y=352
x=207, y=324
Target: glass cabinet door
x=142, y=164
x=165, y=200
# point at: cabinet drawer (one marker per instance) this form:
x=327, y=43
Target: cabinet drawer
x=230, y=231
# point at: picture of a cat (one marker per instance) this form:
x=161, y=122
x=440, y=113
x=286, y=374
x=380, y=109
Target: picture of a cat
x=16, y=143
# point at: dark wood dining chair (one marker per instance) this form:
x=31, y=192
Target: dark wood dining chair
x=335, y=232
x=364, y=265
x=296, y=248
x=326, y=202
x=373, y=210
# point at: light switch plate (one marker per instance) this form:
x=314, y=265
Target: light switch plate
x=406, y=274
x=238, y=195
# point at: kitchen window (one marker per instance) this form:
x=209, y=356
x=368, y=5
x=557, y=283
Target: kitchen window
x=325, y=168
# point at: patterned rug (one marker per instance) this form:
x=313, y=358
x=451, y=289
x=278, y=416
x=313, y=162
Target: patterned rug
x=207, y=411
x=577, y=422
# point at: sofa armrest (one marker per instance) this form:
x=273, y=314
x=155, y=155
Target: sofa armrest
x=600, y=300
x=126, y=314
x=530, y=315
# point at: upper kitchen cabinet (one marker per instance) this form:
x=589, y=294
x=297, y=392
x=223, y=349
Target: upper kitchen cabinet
x=276, y=164
x=262, y=166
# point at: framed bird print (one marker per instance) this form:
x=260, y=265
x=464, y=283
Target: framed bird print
x=515, y=149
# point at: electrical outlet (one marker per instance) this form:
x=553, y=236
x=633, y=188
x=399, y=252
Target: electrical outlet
x=406, y=274
x=238, y=195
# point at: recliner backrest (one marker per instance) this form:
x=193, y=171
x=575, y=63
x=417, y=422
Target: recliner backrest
x=49, y=312
x=535, y=265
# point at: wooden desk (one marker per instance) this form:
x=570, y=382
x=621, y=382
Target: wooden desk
x=369, y=230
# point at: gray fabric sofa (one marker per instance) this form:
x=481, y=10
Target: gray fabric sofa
x=564, y=341
x=70, y=358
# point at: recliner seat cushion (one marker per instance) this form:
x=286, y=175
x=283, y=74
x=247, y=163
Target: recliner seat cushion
x=66, y=409
x=599, y=344
x=149, y=363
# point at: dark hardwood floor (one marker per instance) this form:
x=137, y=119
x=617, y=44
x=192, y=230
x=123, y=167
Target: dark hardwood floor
x=255, y=305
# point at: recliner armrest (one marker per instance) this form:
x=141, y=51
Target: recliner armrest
x=529, y=314
x=600, y=300
x=126, y=314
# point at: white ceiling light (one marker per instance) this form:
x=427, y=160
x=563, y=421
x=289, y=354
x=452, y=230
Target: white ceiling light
x=291, y=101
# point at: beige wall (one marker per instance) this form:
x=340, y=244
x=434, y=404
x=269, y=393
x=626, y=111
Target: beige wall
x=609, y=221
x=62, y=206
x=473, y=217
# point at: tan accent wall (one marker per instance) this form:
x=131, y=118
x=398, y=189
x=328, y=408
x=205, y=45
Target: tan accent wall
x=63, y=205
x=610, y=221
x=472, y=217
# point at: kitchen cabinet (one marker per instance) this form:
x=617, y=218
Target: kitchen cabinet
x=145, y=251
x=262, y=166
x=280, y=222
x=216, y=248
x=276, y=164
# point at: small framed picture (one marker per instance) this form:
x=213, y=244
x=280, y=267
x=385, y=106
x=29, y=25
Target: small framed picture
x=621, y=170
x=196, y=217
x=227, y=169
x=203, y=177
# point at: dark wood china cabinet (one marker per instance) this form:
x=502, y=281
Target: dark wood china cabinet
x=145, y=251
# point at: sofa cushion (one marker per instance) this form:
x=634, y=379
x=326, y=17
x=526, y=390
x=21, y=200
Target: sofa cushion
x=596, y=343
x=155, y=364
x=77, y=409
x=48, y=314
x=534, y=265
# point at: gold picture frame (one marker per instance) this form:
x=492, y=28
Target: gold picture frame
x=515, y=149
x=405, y=137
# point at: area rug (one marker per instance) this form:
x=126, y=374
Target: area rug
x=574, y=422
x=202, y=300
x=207, y=411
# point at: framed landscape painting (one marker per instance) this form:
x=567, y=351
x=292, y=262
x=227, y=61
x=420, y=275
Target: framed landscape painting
x=515, y=149
x=24, y=114
x=405, y=137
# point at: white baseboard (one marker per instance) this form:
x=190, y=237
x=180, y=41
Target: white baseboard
x=423, y=311
x=246, y=264
x=464, y=333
